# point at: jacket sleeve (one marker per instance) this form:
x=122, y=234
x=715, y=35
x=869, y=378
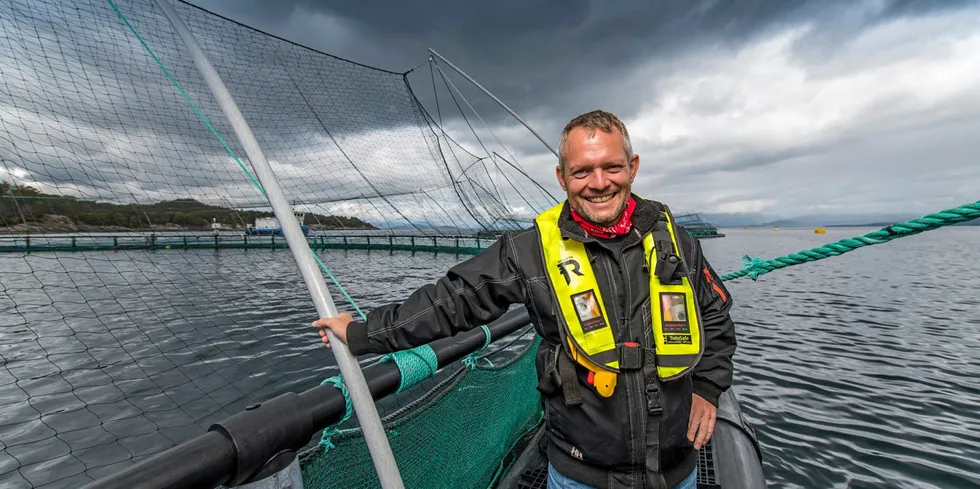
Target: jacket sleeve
x=713, y=374
x=472, y=293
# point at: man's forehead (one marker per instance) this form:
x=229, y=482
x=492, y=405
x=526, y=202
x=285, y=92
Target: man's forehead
x=588, y=150
x=584, y=132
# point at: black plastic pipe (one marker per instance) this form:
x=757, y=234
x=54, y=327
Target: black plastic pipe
x=265, y=437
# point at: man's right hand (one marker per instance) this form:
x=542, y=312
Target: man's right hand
x=336, y=324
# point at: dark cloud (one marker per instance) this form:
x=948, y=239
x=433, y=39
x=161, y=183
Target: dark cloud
x=546, y=56
x=708, y=88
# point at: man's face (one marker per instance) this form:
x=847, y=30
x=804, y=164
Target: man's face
x=597, y=176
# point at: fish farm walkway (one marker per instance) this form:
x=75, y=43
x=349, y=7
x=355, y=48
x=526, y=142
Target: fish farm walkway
x=467, y=245
x=428, y=244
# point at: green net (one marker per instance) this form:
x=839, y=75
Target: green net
x=458, y=436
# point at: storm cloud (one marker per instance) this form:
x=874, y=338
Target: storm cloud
x=784, y=107
x=752, y=106
x=88, y=112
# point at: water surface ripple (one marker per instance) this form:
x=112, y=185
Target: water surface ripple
x=856, y=371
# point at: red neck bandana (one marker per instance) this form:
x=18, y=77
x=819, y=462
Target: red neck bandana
x=621, y=227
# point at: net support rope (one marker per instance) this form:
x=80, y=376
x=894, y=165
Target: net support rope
x=187, y=97
x=471, y=360
x=754, y=267
x=414, y=365
x=217, y=135
x=328, y=432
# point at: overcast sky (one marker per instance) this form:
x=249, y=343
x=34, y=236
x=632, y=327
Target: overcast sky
x=777, y=106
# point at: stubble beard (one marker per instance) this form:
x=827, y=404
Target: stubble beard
x=583, y=211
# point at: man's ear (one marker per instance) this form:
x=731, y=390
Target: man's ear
x=634, y=167
x=561, y=177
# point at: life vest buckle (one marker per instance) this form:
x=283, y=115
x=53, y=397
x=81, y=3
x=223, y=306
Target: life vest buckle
x=630, y=356
x=667, y=266
x=654, y=406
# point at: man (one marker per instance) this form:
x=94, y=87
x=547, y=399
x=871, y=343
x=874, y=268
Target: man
x=630, y=385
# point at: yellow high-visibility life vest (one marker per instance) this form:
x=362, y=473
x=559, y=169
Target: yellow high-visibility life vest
x=675, y=318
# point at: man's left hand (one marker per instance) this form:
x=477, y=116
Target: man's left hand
x=702, y=421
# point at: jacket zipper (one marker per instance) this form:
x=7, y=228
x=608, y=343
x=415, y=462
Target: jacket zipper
x=624, y=320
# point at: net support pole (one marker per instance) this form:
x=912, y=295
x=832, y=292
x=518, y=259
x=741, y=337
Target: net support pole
x=495, y=99
x=367, y=413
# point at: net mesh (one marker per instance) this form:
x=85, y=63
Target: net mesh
x=138, y=301
x=459, y=436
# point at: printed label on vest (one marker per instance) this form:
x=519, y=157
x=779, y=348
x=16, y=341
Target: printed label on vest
x=673, y=313
x=677, y=339
x=588, y=311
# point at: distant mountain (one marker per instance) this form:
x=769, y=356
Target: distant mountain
x=830, y=220
x=739, y=219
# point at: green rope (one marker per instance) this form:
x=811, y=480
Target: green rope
x=415, y=365
x=341, y=287
x=187, y=97
x=223, y=143
x=470, y=361
x=331, y=430
x=754, y=267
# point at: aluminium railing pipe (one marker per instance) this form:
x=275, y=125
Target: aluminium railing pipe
x=214, y=458
x=367, y=413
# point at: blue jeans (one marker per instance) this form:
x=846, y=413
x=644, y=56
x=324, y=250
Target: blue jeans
x=558, y=481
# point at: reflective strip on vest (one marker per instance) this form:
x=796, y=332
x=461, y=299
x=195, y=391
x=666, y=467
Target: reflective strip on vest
x=576, y=290
x=673, y=310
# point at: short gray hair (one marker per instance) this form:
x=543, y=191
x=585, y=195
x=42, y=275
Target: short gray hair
x=597, y=119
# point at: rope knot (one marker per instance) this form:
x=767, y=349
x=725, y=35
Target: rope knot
x=332, y=430
x=471, y=360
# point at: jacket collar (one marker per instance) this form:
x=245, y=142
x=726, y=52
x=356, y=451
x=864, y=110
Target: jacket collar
x=645, y=216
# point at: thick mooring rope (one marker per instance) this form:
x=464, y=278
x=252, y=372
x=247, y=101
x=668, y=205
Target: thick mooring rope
x=754, y=267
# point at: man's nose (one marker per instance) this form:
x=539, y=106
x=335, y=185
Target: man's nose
x=598, y=180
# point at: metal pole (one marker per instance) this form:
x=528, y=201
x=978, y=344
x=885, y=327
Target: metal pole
x=367, y=413
x=495, y=99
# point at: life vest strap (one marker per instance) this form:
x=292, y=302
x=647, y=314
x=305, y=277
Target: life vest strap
x=631, y=356
x=568, y=379
x=550, y=381
x=604, y=358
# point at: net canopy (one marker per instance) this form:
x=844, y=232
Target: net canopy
x=89, y=114
x=142, y=297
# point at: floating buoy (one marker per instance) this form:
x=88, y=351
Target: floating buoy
x=819, y=231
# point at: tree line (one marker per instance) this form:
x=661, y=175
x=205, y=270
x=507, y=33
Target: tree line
x=19, y=205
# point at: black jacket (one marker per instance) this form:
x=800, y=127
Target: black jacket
x=613, y=442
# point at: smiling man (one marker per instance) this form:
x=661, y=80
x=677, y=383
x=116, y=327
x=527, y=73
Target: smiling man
x=637, y=338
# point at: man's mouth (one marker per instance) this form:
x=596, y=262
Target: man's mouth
x=599, y=200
